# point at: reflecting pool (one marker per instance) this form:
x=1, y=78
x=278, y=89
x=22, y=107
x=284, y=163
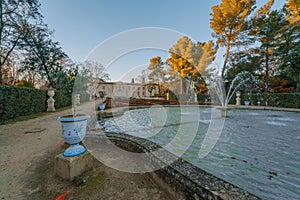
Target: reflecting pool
x=258, y=150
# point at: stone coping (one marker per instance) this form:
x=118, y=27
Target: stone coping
x=113, y=112
x=264, y=108
x=182, y=176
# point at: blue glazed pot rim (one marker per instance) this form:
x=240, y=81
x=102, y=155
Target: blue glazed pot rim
x=71, y=118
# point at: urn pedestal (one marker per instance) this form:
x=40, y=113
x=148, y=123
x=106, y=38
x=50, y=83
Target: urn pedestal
x=238, y=98
x=50, y=101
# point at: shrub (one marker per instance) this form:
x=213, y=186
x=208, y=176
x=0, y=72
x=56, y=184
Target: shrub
x=285, y=100
x=23, y=83
x=62, y=99
x=20, y=101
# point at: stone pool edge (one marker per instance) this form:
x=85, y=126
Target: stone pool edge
x=182, y=176
x=118, y=111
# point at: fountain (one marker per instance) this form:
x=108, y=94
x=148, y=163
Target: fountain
x=218, y=90
x=249, y=152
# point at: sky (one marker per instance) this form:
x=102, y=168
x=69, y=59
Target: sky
x=128, y=32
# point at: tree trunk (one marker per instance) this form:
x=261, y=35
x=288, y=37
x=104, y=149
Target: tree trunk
x=267, y=71
x=1, y=28
x=226, y=59
x=0, y=74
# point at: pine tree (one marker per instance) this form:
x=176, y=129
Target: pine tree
x=227, y=22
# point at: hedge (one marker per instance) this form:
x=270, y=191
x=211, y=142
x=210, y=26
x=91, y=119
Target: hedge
x=20, y=101
x=285, y=100
x=62, y=99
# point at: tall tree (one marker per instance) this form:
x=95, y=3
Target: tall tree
x=190, y=59
x=265, y=28
x=15, y=17
x=288, y=50
x=42, y=54
x=228, y=21
x=156, y=71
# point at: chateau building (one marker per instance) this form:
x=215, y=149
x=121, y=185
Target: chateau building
x=127, y=90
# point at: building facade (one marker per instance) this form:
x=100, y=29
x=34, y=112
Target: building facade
x=127, y=90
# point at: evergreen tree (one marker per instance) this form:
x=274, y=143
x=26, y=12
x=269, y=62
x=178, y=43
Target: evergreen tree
x=227, y=21
x=265, y=28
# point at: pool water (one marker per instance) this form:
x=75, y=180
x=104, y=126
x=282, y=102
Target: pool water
x=258, y=151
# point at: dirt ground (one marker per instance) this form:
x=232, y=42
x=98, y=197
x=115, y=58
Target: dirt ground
x=27, y=167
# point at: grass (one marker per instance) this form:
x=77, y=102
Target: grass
x=93, y=183
x=33, y=116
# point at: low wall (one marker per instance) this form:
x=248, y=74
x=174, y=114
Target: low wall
x=183, y=177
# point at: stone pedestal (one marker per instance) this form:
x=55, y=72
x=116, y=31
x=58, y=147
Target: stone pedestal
x=51, y=101
x=77, y=99
x=70, y=167
x=238, y=98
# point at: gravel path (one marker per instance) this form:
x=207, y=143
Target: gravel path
x=21, y=152
x=26, y=166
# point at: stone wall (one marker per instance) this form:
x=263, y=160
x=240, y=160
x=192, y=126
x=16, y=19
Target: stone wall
x=183, y=177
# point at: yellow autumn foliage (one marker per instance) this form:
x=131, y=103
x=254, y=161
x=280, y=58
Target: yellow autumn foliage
x=190, y=59
x=228, y=17
x=293, y=7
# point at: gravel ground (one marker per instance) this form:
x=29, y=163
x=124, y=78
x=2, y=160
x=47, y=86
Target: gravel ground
x=26, y=167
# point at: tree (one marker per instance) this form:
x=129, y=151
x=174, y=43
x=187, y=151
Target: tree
x=293, y=6
x=15, y=18
x=190, y=59
x=143, y=77
x=279, y=84
x=43, y=55
x=95, y=70
x=266, y=28
x=156, y=71
x=23, y=83
x=288, y=50
x=10, y=70
x=228, y=21
x=95, y=73
x=242, y=61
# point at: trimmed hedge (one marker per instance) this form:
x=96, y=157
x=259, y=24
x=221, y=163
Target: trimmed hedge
x=21, y=101
x=285, y=100
x=62, y=99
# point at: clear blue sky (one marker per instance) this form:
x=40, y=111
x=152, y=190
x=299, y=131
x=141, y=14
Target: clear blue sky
x=81, y=25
